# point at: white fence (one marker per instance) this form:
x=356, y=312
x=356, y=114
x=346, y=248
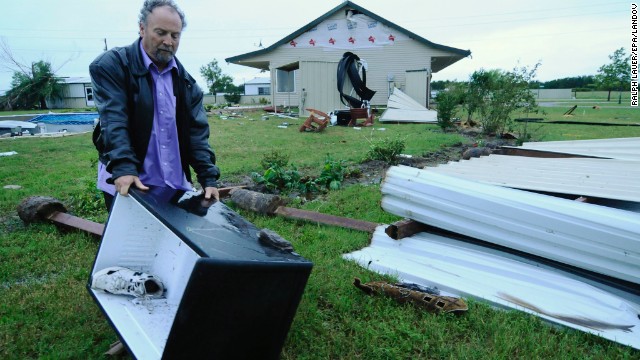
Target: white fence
x=553, y=94
x=244, y=99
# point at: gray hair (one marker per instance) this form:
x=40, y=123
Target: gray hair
x=149, y=5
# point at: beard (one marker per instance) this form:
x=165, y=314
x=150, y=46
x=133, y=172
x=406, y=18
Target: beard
x=163, y=56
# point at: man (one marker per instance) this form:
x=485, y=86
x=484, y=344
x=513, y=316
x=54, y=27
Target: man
x=152, y=122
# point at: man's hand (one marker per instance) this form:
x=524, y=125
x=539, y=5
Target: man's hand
x=211, y=192
x=123, y=183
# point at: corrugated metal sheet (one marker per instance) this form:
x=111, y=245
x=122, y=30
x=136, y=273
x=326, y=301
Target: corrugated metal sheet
x=618, y=148
x=403, y=108
x=605, y=178
x=400, y=100
x=467, y=270
x=587, y=236
x=402, y=115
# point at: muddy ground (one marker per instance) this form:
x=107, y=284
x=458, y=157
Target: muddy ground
x=372, y=172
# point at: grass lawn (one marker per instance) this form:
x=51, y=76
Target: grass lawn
x=46, y=311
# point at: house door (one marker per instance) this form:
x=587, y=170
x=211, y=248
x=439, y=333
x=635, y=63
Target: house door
x=319, y=87
x=418, y=86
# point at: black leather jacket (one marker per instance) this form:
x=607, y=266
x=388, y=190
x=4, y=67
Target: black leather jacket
x=123, y=93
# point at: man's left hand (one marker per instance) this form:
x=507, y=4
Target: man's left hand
x=211, y=193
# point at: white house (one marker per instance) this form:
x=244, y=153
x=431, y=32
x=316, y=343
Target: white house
x=303, y=65
x=258, y=86
x=77, y=93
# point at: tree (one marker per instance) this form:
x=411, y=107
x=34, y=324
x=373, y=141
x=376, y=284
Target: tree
x=216, y=80
x=584, y=81
x=615, y=75
x=31, y=86
x=496, y=94
x=481, y=83
x=448, y=101
x=32, y=89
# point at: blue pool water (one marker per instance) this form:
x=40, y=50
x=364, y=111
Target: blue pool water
x=66, y=119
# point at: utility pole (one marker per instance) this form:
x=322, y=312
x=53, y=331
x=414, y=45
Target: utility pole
x=105, y=44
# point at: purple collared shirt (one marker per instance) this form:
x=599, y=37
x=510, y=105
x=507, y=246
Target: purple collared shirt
x=162, y=165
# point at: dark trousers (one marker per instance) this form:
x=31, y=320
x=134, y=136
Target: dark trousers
x=108, y=200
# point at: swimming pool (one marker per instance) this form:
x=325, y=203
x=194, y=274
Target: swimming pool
x=65, y=122
x=66, y=119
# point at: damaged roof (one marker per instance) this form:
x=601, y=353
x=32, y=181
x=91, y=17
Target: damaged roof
x=240, y=59
x=460, y=268
x=591, y=177
x=616, y=148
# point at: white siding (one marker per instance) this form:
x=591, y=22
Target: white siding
x=383, y=61
x=320, y=90
x=392, y=60
x=416, y=86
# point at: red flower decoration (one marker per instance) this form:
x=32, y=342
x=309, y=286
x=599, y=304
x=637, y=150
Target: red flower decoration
x=312, y=42
x=372, y=39
x=293, y=43
x=332, y=41
x=391, y=37
x=352, y=40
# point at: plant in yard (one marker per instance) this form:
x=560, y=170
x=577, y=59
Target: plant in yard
x=332, y=174
x=88, y=203
x=386, y=149
x=526, y=133
x=278, y=178
x=275, y=157
x=448, y=101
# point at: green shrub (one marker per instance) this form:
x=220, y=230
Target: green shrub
x=279, y=179
x=386, y=150
x=448, y=102
x=275, y=157
x=332, y=174
x=208, y=107
x=233, y=98
x=89, y=203
x=263, y=101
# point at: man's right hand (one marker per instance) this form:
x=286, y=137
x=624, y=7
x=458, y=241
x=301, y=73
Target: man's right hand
x=123, y=183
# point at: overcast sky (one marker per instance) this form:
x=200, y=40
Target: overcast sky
x=568, y=37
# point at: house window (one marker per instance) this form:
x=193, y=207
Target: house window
x=264, y=91
x=88, y=96
x=286, y=80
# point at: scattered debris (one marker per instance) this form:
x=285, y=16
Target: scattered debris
x=361, y=113
x=115, y=349
x=476, y=152
x=12, y=187
x=570, y=111
x=431, y=302
x=8, y=153
x=402, y=108
x=40, y=208
x=271, y=238
x=273, y=205
x=318, y=117
x=256, y=201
